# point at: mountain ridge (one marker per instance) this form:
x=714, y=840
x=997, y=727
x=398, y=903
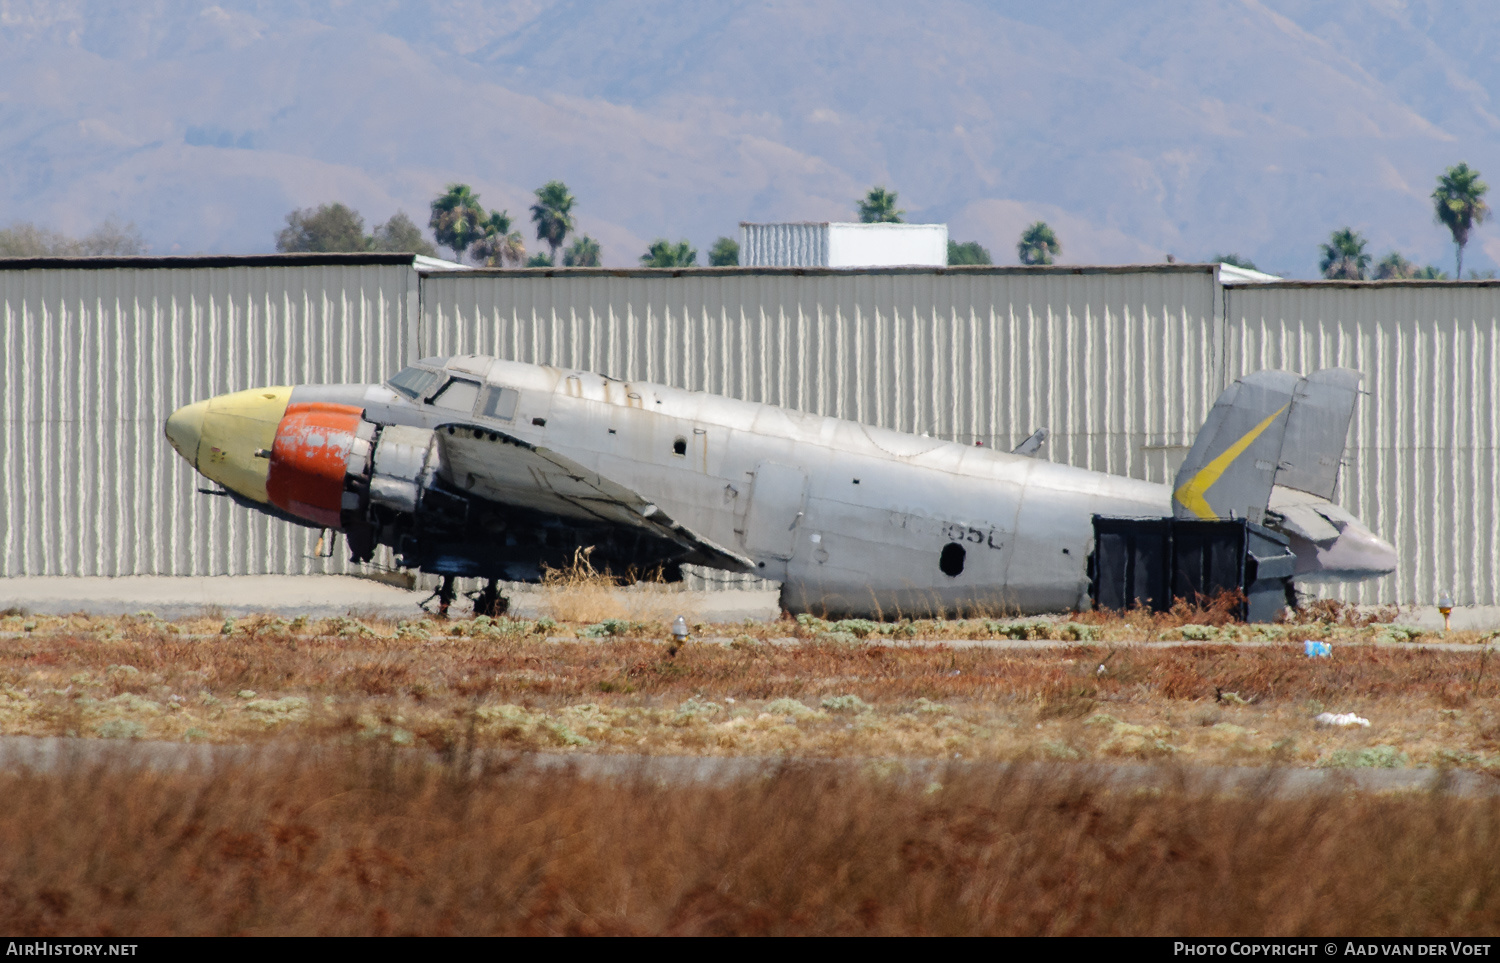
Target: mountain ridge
x=1229, y=125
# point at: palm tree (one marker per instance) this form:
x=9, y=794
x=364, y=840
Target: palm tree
x=665, y=254
x=583, y=252
x=1459, y=205
x=1038, y=245
x=500, y=245
x=1394, y=267
x=1344, y=256
x=457, y=219
x=552, y=214
x=879, y=207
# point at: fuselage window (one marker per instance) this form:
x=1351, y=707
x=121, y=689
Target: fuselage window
x=500, y=403
x=414, y=382
x=457, y=395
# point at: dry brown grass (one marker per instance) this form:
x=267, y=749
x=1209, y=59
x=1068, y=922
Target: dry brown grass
x=531, y=686
x=364, y=832
x=1219, y=610
x=365, y=844
x=580, y=594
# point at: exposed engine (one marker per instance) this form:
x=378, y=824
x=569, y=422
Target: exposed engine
x=385, y=485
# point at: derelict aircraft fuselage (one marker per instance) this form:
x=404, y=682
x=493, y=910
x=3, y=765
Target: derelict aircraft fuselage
x=486, y=468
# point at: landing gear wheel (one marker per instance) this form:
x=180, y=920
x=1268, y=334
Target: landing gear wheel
x=445, y=596
x=490, y=602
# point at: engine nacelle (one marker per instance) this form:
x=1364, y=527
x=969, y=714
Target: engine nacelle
x=406, y=462
x=309, y=458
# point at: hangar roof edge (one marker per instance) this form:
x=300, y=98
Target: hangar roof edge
x=707, y=272
x=204, y=261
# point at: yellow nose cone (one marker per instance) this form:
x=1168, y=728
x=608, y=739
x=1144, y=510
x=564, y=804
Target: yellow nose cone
x=228, y=438
x=185, y=430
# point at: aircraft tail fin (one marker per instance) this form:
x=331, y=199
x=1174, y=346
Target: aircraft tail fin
x=1269, y=428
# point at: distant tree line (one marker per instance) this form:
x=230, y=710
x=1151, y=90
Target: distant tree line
x=333, y=227
x=1038, y=244
x=460, y=222
x=109, y=239
x=1458, y=204
x=474, y=234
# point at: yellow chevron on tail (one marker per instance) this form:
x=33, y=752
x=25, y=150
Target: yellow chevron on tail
x=1190, y=494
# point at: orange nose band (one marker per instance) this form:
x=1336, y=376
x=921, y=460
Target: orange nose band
x=306, y=476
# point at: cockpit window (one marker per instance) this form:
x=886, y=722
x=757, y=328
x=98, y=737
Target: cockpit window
x=414, y=382
x=457, y=395
x=500, y=403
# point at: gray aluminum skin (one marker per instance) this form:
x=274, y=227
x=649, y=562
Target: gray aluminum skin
x=494, y=468
x=1270, y=451
x=852, y=519
x=1269, y=429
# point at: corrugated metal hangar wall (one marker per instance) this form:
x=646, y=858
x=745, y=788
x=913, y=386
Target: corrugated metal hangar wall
x=1423, y=464
x=96, y=357
x=1121, y=364
x=984, y=355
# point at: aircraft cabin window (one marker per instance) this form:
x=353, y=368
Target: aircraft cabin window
x=500, y=403
x=414, y=382
x=457, y=395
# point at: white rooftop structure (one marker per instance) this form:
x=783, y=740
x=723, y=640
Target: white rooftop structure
x=424, y=263
x=841, y=245
x=1231, y=274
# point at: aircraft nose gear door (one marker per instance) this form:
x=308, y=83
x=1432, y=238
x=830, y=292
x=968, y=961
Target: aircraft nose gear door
x=777, y=500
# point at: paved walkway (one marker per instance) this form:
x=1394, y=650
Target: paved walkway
x=325, y=596
x=316, y=596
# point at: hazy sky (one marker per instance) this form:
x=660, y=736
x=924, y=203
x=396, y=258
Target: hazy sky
x=1135, y=130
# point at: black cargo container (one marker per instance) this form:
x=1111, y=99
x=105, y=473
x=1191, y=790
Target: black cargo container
x=1157, y=561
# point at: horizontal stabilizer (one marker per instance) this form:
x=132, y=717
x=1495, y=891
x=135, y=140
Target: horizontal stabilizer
x=1269, y=428
x=1033, y=444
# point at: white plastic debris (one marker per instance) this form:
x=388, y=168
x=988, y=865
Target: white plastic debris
x=1340, y=719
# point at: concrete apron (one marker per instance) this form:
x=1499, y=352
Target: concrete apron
x=288, y=596
x=326, y=596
